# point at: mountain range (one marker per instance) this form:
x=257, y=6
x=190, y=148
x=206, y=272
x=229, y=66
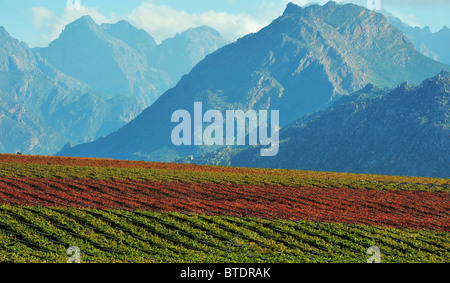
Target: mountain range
x=302, y=62
x=121, y=59
x=88, y=83
x=402, y=131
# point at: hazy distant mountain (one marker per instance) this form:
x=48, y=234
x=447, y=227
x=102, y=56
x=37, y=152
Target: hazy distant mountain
x=435, y=45
x=41, y=108
x=301, y=63
x=138, y=39
x=177, y=55
x=404, y=132
x=88, y=53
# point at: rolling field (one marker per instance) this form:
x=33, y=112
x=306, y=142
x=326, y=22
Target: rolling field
x=123, y=211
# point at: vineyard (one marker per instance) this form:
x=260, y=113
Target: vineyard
x=124, y=211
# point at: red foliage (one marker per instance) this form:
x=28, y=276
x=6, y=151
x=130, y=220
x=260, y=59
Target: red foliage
x=407, y=209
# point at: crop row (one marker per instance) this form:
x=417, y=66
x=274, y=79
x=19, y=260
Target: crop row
x=210, y=176
x=95, y=162
x=407, y=209
x=43, y=234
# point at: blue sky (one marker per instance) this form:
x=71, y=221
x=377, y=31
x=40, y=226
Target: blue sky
x=38, y=22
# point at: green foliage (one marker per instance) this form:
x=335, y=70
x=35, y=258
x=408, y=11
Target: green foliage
x=38, y=234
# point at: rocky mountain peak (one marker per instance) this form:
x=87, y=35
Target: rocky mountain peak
x=368, y=88
x=292, y=9
x=82, y=25
x=3, y=32
x=124, y=27
x=202, y=30
x=444, y=75
x=124, y=24
x=85, y=20
x=441, y=82
x=139, y=39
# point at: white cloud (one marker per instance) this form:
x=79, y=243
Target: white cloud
x=163, y=22
x=43, y=21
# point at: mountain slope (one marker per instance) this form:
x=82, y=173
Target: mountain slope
x=301, y=63
x=432, y=44
x=405, y=132
x=21, y=131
